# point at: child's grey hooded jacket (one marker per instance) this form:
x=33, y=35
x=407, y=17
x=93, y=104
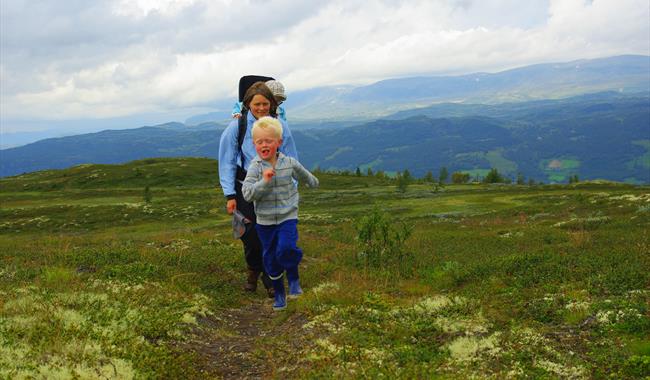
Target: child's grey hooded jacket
x=277, y=200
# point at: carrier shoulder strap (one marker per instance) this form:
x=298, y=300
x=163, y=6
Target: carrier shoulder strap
x=243, y=121
x=243, y=124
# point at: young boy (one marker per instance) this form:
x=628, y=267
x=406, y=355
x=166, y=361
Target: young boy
x=270, y=184
x=278, y=93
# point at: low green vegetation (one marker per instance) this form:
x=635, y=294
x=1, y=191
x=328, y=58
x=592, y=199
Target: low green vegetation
x=130, y=271
x=559, y=169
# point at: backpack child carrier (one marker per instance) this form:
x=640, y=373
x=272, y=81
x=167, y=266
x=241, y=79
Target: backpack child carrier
x=244, y=84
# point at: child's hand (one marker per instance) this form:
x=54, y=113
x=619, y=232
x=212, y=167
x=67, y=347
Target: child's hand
x=236, y=115
x=268, y=174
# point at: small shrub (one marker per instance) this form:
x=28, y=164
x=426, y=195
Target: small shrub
x=403, y=181
x=454, y=272
x=444, y=174
x=580, y=238
x=546, y=310
x=494, y=177
x=57, y=277
x=637, y=366
x=382, y=244
x=459, y=177
x=147, y=195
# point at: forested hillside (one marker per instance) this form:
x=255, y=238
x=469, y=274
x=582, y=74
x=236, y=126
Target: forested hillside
x=599, y=136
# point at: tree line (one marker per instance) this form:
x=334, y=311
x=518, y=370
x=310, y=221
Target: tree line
x=404, y=178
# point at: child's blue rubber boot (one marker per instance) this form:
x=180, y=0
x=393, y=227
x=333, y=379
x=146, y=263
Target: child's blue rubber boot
x=294, y=288
x=280, y=298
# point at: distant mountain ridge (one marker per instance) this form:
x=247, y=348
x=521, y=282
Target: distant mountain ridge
x=596, y=136
x=625, y=74
x=628, y=74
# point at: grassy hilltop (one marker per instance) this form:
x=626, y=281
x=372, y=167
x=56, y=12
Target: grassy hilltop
x=130, y=271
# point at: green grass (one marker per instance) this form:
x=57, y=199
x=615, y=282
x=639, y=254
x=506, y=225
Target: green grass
x=505, y=281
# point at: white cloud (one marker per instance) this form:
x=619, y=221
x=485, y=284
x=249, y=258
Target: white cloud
x=139, y=9
x=80, y=59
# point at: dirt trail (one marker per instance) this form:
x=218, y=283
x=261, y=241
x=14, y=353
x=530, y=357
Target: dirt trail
x=238, y=343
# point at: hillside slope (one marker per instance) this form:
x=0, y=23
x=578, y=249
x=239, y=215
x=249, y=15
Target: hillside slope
x=101, y=278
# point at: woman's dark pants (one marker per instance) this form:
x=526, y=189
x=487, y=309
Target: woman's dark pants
x=252, y=244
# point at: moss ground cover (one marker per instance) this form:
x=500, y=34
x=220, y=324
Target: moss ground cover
x=504, y=281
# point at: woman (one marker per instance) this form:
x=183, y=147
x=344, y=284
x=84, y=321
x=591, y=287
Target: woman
x=258, y=102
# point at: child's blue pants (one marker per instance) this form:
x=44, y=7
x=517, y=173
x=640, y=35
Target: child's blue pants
x=279, y=250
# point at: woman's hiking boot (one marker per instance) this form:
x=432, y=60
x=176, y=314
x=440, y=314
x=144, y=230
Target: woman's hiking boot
x=294, y=288
x=268, y=284
x=280, y=299
x=251, y=280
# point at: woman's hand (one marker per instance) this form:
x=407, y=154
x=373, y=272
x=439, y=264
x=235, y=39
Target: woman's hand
x=231, y=206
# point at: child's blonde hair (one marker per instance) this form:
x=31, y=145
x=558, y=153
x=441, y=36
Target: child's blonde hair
x=268, y=122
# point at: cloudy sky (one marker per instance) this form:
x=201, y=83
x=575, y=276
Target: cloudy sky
x=115, y=59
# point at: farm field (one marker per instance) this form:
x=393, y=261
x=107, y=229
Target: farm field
x=131, y=271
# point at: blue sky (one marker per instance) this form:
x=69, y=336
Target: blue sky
x=134, y=62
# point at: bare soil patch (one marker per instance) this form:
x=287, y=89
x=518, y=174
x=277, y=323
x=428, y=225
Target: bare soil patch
x=251, y=342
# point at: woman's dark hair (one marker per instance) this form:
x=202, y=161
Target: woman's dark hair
x=259, y=88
